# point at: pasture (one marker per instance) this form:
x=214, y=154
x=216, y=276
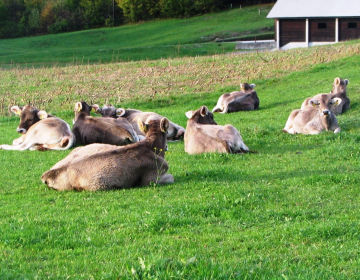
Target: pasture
x=144, y=41
x=287, y=211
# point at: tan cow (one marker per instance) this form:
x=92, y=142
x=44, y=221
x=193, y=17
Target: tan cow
x=244, y=100
x=204, y=135
x=40, y=131
x=316, y=118
x=175, y=132
x=338, y=91
x=110, y=167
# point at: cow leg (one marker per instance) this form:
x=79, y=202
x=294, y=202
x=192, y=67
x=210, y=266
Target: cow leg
x=19, y=140
x=166, y=179
x=313, y=128
x=151, y=175
x=16, y=147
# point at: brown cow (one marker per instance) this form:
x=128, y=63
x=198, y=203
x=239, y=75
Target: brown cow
x=40, y=131
x=111, y=167
x=316, y=118
x=244, y=100
x=338, y=91
x=88, y=129
x=174, y=133
x=204, y=135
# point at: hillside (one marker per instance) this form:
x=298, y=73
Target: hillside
x=150, y=40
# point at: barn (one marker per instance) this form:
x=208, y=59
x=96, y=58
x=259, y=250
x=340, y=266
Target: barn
x=306, y=23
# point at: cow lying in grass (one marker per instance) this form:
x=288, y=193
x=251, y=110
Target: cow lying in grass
x=244, y=100
x=40, y=131
x=338, y=91
x=316, y=118
x=88, y=129
x=204, y=135
x=111, y=167
x=133, y=116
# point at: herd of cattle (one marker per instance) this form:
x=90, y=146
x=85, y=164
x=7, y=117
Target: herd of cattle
x=126, y=148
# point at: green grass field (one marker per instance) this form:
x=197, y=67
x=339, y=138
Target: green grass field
x=287, y=211
x=153, y=40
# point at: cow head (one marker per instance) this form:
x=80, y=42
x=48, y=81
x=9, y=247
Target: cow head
x=28, y=116
x=201, y=116
x=324, y=103
x=83, y=107
x=110, y=111
x=155, y=133
x=339, y=85
x=246, y=87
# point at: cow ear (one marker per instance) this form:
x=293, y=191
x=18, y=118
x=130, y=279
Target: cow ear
x=42, y=114
x=143, y=126
x=120, y=112
x=96, y=109
x=346, y=81
x=78, y=106
x=189, y=114
x=314, y=102
x=252, y=86
x=164, y=125
x=204, y=111
x=16, y=110
x=337, y=81
x=335, y=101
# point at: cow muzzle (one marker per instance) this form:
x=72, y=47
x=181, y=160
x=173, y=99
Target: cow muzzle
x=326, y=113
x=21, y=130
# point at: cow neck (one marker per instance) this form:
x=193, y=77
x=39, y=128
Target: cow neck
x=157, y=143
x=81, y=115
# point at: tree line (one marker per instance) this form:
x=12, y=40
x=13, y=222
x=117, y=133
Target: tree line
x=19, y=18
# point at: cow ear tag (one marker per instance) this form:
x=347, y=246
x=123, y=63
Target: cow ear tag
x=143, y=127
x=78, y=106
x=93, y=110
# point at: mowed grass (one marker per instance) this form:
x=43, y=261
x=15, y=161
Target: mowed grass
x=287, y=211
x=151, y=40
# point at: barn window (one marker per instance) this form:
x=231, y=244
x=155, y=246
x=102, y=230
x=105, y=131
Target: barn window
x=322, y=25
x=351, y=24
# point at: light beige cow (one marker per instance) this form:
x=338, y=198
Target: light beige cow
x=204, y=135
x=316, y=118
x=110, y=167
x=338, y=91
x=40, y=131
x=244, y=100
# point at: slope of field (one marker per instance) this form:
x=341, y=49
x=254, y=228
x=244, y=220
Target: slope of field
x=151, y=40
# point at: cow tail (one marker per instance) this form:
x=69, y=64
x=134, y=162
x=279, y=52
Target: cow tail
x=67, y=142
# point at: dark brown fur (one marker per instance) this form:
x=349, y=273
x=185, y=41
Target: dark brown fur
x=88, y=129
